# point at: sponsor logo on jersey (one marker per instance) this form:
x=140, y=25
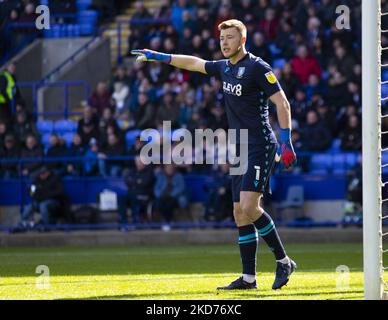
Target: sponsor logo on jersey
x=271, y=78
x=235, y=90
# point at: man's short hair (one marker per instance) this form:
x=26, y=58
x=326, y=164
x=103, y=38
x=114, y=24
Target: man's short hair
x=234, y=23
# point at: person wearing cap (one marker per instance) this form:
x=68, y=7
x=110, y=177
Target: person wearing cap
x=48, y=197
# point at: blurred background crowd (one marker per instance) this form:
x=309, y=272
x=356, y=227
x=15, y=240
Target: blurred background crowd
x=317, y=62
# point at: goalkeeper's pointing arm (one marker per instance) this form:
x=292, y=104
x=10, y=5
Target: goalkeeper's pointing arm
x=181, y=61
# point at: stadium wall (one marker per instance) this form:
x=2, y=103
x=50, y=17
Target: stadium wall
x=92, y=66
x=178, y=237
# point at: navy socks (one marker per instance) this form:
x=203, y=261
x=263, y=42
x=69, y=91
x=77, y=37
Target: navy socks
x=248, y=247
x=267, y=230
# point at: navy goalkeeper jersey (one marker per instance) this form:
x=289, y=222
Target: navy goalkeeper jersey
x=247, y=85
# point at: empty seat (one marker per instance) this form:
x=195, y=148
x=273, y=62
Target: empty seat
x=45, y=140
x=294, y=200
x=65, y=126
x=279, y=63
x=339, y=161
x=335, y=146
x=321, y=163
x=351, y=159
x=83, y=4
x=68, y=137
x=45, y=126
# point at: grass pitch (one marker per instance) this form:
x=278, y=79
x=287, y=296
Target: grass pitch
x=175, y=272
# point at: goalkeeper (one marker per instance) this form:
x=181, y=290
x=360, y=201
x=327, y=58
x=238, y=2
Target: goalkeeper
x=248, y=83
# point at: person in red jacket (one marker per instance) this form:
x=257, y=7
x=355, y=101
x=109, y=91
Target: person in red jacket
x=100, y=99
x=303, y=65
x=269, y=24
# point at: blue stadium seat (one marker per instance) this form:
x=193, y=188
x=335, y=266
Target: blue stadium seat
x=320, y=163
x=384, y=160
x=339, y=162
x=45, y=140
x=339, y=171
x=279, y=63
x=351, y=159
x=65, y=126
x=68, y=137
x=335, y=146
x=83, y=4
x=45, y=126
x=86, y=29
x=274, y=49
x=87, y=17
x=130, y=137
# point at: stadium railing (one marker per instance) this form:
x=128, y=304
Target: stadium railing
x=85, y=190
x=35, y=86
x=119, y=25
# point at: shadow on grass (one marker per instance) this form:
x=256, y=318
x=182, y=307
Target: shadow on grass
x=229, y=296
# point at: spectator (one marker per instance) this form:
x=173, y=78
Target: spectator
x=48, y=198
x=300, y=106
x=170, y=192
x=8, y=91
x=91, y=159
x=28, y=16
x=78, y=150
x=351, y=138
x=10, y=152
x=4, y=130
x=120, y=75
x=56, y=149
x=328, y=117
x=88, y=126
x=315, y=136
x=343, y=61
x=259, y=48
x=289, y=82
x=145, y=112
x=223, y=14
x=113, y=149
x=218, y=205
x=177, y=13
x=337, y=93
x=304, y=65
x=140, y=183
x=217, y=118
x=111, y=128
x=31, y=150
x=100, y=98
x=168, y=111
x=120, y=97
x=141, y=12
x=106, y=119
x=314, y=86
x=186, y=110
x=269, y=24
x=285, y=39
x=134, y=150
x=23, y=127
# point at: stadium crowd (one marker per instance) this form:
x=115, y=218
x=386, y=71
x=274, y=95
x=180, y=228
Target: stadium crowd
x=317, y=64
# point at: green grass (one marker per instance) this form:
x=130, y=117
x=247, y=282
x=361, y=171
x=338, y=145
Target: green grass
x=174, y=272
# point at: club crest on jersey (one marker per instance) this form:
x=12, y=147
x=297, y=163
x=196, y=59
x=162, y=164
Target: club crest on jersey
x=271, y=78
x=240, y=72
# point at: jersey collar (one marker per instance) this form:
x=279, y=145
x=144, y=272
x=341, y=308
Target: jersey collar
x=241, y=60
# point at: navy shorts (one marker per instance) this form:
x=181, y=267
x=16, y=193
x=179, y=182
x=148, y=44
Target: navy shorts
x=261, y=161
